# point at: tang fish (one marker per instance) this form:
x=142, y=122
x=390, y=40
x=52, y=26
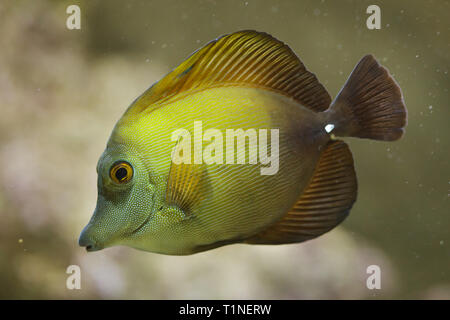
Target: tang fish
x=248, y=84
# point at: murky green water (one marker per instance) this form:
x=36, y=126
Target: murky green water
x=62, y=91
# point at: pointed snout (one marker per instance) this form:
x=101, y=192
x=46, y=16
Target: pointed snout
x=88, y=240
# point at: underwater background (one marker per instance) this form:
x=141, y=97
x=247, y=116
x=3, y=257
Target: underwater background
x=61, y=92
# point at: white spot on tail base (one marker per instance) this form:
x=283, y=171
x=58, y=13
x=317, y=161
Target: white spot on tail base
x=329, y=127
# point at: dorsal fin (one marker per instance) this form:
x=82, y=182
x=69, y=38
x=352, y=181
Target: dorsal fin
x=244, y=58
x=323, y=204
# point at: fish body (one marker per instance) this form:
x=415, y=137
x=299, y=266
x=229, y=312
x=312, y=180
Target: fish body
x=252, y=84
x=238, y=194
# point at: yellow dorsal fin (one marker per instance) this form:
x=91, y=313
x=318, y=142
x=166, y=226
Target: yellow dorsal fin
x=244, y=58
x=324, y=203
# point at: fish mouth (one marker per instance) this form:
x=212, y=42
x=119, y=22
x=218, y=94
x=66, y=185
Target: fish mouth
x=88, y=242
x=92, y=247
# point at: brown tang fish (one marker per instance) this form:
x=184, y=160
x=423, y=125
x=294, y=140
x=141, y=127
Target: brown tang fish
x=236, y=145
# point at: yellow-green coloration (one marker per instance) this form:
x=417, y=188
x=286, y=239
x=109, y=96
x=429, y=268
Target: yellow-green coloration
x=246, y=80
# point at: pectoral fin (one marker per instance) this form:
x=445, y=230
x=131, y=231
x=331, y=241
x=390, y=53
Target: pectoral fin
x=185, y=187
x=324, y=203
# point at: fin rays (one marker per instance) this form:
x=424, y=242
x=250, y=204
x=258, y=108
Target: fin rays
x=245, y=58
x=183, y=185
x=324, y=203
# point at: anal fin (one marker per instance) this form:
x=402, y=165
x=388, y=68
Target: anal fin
x=324, y=203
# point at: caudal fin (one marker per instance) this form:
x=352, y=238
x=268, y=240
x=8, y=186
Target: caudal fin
x=370, y=105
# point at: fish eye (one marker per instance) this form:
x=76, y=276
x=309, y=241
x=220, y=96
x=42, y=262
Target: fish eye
x=121, y=172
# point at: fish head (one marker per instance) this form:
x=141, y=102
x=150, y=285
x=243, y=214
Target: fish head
x=125, y=199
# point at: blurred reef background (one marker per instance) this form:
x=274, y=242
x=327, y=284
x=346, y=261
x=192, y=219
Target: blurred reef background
x=61, y=92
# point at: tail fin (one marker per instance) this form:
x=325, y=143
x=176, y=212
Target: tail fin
x=370, y=105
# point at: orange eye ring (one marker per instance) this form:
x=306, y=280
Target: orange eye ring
x=121, y=172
